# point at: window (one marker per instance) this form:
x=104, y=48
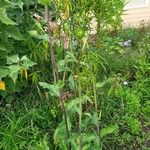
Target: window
x=136, y=4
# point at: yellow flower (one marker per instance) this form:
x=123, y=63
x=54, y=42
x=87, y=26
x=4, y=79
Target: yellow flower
x=2, y=85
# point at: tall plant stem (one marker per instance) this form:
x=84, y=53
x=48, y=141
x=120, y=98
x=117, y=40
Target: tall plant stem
x=79, y=93
x=52, y=54
x=96, y=108
x=56, y=74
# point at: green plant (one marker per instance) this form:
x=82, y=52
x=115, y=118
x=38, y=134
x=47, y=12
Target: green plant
x=84, y=91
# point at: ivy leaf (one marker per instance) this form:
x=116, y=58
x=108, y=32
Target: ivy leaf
x=4, y=71
x=54, y=91
x=26, y=62
x=19, y=3
x=12, y=59
x=108, y=130
x=4, y=19
x=14, y=69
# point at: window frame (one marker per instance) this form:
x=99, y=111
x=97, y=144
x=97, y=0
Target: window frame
x=135, y=7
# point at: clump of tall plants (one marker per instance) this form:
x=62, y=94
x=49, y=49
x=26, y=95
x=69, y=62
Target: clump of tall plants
x=84, y=91
x=75, y=75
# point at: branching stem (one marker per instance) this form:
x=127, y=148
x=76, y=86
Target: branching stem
x=56, y=74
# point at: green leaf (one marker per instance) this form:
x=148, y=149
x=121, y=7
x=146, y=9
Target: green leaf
x=45, y=2
x=108, y=130
x=7, y=3
x=3, y=53
x=33, y=33
x=4, y=19
x=14, y=69
x=26, y=63
x=61, y=65
x=18, y=3
x=87, y=137
x=73, y=105
x=4, y=71
x=2, y=47
x=4, y=4
x=54, y=91
x=13, y=32
x=70, y=57
x=39, y=25
x=4, y=43
x=71, y=82
x=59, y=85
x=43, y=37
x=12, y=59
x=24, y=58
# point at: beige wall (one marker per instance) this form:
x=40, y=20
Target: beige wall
x=135, y=16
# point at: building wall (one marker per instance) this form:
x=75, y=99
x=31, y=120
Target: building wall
x=135, y=16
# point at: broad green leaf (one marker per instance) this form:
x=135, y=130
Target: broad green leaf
x=3, y=34
x=74, y=104
x=2, y=47
x=52, y=89
x=59, y=85
x=108, y=130
x=24, y=58
x=3, y=53
x=13, y=59
x=13, y=32
x=7, y=3
x=4, y=19
x=4, y=43
x=61, y=65
x=18, y=3
x=26, y=62
x=14, y=70
x=4, y=71
x=4, y=4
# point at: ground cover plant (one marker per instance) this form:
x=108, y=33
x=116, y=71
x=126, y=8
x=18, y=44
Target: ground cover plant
x=71, y=78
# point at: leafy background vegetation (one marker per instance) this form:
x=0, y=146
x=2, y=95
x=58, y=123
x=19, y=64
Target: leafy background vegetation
x=63, y=86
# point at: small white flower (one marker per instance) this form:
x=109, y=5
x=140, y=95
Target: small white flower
x=127, y=43
x=125, y=83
